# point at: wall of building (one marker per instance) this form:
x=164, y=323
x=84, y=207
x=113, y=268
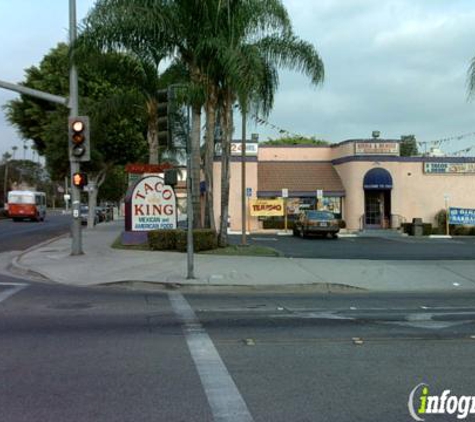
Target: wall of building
x=294, y=153
x=235, y=193
x=414, y=194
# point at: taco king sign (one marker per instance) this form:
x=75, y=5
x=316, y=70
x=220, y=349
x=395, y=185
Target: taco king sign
x=150, y=205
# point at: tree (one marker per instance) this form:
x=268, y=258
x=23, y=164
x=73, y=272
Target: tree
x=115, y=138
x=408, y=146
x=168, y=29
x=255, y=38
x=296, y=140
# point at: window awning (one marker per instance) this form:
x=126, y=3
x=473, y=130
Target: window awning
x=301, y=178
x=377, y=178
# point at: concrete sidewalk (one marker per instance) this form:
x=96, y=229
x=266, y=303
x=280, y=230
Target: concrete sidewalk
x=101, y=264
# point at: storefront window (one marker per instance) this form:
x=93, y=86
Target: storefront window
x=332, y=204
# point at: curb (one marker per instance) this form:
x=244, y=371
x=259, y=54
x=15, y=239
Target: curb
x=183, y=285
x=15, y=267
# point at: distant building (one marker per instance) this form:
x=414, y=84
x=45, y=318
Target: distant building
x=363, y=181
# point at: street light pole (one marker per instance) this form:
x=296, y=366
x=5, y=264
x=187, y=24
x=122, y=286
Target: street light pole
x=5, y=184
x=189, y=205
x=243, y=177
x=189, y=180
x=76, y=247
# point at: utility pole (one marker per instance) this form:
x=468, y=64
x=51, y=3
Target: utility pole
x=189, y=205
x=76, y=230
x=5, y=184
x=243, y=178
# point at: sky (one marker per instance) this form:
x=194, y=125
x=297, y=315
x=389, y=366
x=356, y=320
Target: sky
x=397, y=66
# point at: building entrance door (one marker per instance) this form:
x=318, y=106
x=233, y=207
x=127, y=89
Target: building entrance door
x=377, y=185
x=377, y=209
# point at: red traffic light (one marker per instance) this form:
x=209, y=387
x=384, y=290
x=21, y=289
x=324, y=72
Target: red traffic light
x=79, y=145
x=79, y=180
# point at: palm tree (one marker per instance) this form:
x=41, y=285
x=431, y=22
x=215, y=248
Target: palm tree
x=153, y=30
x=14, y=149
x=255, y=38
x=119, y=26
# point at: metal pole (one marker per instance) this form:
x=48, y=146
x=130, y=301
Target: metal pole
x=5, y=184
x=76, y=247
x=66, y=192
x=243, y=178
x=447, y=218
x=34, y=93
x=189, y=204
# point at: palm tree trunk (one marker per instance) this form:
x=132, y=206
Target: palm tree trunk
x=227, y=126
x=209, y=157
x=196, y=164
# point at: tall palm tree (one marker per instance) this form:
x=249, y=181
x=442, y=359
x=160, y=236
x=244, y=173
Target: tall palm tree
x=14, y=150
x=255, y=38
x=154, y=29
x=121, y=26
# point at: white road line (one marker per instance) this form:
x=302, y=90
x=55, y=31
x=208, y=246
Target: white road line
x=16, y=287
x=225, y=401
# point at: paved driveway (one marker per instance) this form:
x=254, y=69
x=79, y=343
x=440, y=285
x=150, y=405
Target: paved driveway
x=398, y=248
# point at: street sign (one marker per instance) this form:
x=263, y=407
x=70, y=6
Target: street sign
x=462, y=216
x=248, y=192
x=67, y=197
x=285, y=193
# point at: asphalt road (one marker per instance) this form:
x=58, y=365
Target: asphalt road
x=18, y=236
x=117, y=354
x=109, y=354
x=396, y=248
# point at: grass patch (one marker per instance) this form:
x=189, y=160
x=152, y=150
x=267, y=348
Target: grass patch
x=231, y=250
x=117, y=244
x=238, y=250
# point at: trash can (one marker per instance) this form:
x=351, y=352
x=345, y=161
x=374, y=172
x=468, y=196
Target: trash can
x=417, y=227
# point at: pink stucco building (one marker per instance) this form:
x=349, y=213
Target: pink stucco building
x=364, y=182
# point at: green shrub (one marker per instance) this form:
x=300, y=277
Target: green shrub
x=342, y=224
x=203, y=240
x=438, y=230
x=426, y=229
x=441, y=218
x=162, y=240
x=461, y=230
x=406, y=228
x=472, y=231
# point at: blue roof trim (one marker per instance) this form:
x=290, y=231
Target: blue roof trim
x=393, y=159
x=299, y=194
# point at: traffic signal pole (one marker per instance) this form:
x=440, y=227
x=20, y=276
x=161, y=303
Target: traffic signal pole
x=76, y=233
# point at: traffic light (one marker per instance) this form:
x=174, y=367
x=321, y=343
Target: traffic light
x=79, y=180
x=79, y=145
x=163, y=118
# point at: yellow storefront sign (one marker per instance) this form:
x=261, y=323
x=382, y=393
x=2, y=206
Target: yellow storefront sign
x=266, y=207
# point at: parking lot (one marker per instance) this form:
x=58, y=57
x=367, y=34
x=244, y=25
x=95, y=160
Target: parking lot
x=376, y=248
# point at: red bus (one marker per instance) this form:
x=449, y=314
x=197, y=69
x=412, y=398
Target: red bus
x=26, y=204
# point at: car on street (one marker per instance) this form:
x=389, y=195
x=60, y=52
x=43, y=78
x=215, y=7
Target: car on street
x=84, y=213
x=317, y=223
x=104, y=213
